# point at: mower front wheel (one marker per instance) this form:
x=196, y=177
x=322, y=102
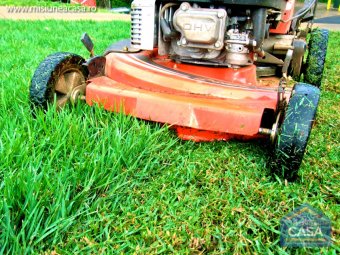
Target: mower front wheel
x=295, y=130
x=56, y=78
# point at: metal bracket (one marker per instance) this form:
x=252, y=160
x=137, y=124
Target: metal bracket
x=286, y=64
x=96, y=66
x=297, y=59
x=123, y=46
x=270, y=59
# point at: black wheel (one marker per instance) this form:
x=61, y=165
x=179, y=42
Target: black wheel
x=295, y=129
x=317, y=50
x=55, y=79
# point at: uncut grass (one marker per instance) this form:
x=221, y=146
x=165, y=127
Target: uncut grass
x=31, y=3
x=88, y=181
x=50, y=3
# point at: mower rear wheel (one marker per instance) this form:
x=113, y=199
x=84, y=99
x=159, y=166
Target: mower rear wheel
x=55, y=79
x=317, y=50
x=295, y=129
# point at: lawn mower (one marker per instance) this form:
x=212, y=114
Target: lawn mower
x=211, y=70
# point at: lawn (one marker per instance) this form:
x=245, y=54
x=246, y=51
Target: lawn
x=49, y=3
x=31, y=3
x=93, y=182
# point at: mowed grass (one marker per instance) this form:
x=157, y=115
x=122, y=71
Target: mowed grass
x=92, y=182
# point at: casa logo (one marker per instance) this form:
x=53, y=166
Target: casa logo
x=305, y=227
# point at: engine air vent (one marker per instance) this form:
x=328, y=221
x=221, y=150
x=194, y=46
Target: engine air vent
x=142, y=24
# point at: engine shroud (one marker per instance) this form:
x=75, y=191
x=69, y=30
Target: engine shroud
x=273, y=4
x=211, y=33
x=199, y=27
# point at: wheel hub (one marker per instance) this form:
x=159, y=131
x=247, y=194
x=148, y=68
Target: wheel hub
x=70, y=85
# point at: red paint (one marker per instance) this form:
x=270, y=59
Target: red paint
x=89, y=3
x=197, y=135
x=245, y=75
x=283, y=27
x=201, y=103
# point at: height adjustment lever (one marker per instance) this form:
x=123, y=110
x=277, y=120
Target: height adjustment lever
x=87, y=41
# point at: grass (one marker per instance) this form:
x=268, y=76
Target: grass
x=50, y=3
x=31, y=3
x=86, y=181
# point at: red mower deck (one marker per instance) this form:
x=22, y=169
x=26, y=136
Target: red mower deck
x=202, y=103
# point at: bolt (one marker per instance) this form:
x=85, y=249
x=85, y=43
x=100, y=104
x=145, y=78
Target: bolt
x=185, y=6
x=220, y=14
x=184, y=41
x=217, y=44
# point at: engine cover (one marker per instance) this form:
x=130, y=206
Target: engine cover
x=200, y=27
x=143, y=24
